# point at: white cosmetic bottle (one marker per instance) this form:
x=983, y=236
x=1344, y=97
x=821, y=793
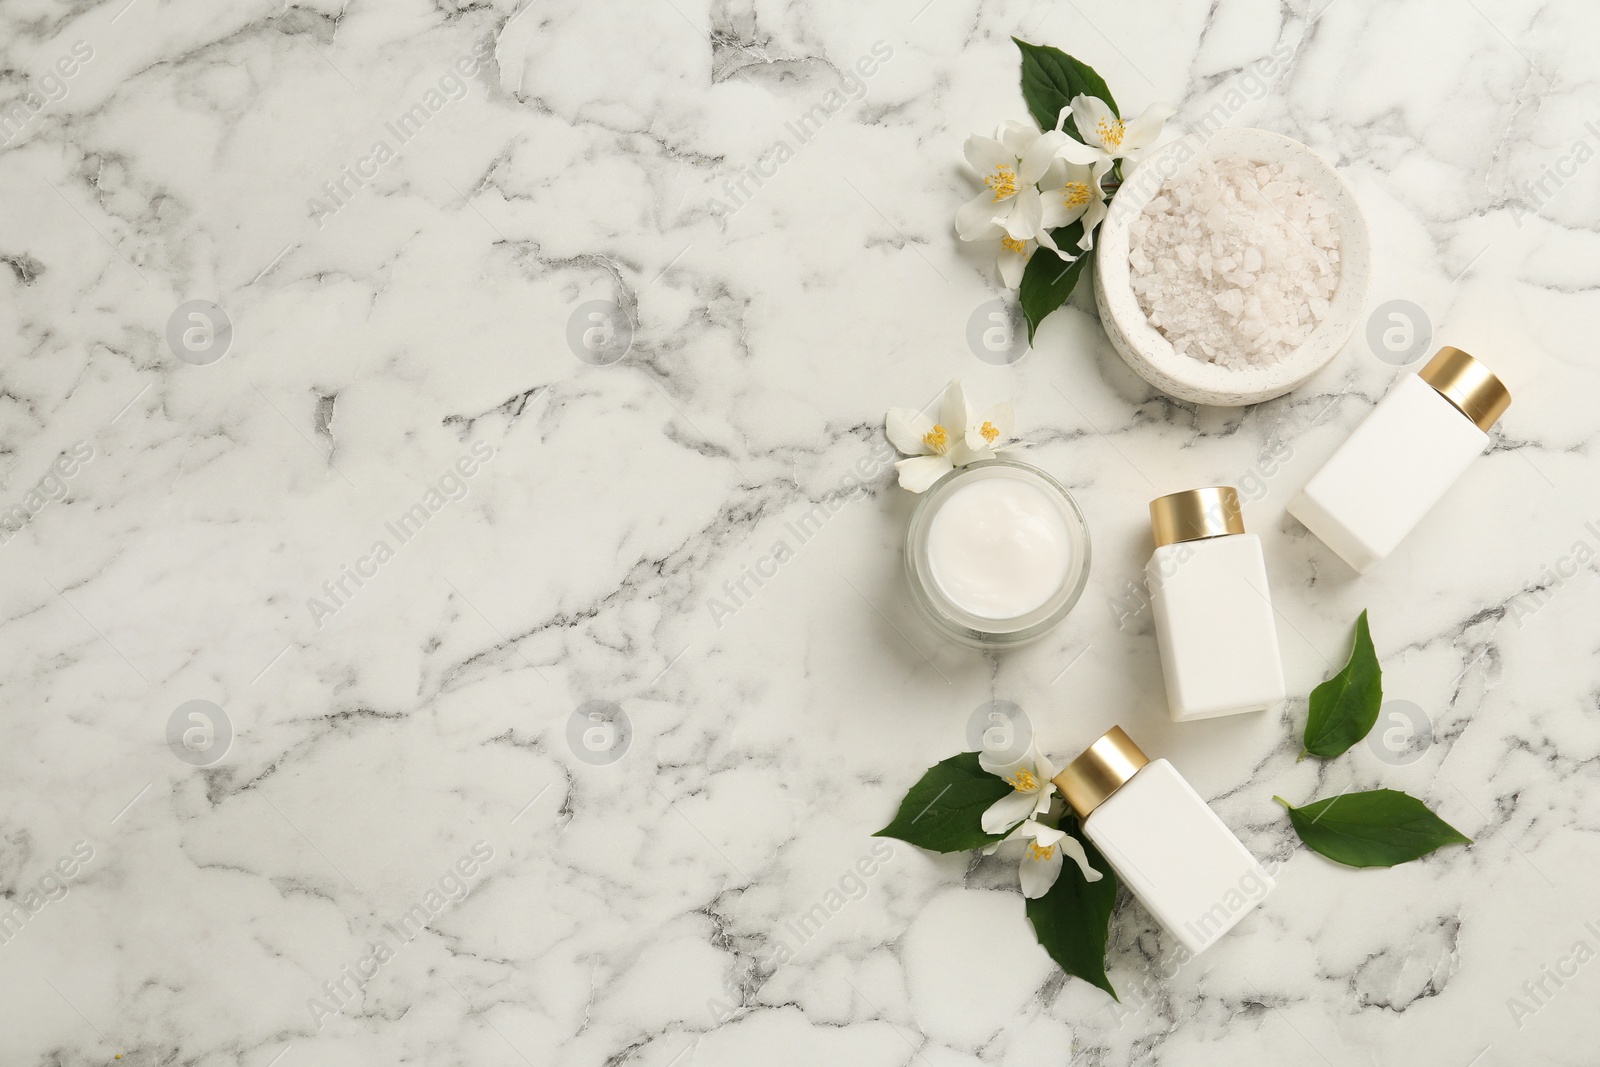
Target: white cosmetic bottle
x=1213, y=611
x=1405, y=455
x=1166, y=845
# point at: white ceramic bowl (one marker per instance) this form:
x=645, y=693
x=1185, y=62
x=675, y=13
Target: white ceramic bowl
x=1152, y=355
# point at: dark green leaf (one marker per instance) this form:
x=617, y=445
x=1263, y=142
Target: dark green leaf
x=944, y=811
x=1048, y=279
x=1051, y=78
x=1344, y=707
x=1073, y=920
x=1376, y=829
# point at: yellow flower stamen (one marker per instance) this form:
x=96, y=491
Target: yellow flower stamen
x=1075, y=194
x=1011, y=244
x=990, y=431
x=937, y=439
x=1003, y=181
x=1023, y=780
x=1037, y=851
x=1110, y=131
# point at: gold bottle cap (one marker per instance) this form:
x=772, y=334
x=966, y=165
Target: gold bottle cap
x=1196, y=513
x=1088, y=781
x=1468, y=385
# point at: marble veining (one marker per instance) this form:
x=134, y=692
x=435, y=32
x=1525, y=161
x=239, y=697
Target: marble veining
x=414, y=522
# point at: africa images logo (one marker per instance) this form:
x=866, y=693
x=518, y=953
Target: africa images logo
x=451, y=486
x=450, y=888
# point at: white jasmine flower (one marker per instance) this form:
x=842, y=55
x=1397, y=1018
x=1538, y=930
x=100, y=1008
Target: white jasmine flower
x=1040, y=865
x=1032, y=793
x=936, y=445
x=954, y=438
x=1102, y=130
x=1032, y=789
x=1070, y=192
x=992, y=430
x=1013, y=256
x=1010, y=164
x=1012, y=259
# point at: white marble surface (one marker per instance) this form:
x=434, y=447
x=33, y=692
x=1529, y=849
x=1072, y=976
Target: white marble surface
x=631, y=913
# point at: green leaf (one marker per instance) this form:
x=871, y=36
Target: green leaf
x=1376, y=829
x=1051, y=78
x=1344, y=707
x=1048, y=279
x=1073, y=920
x=944, y=811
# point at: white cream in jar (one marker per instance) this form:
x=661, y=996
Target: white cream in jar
x=999, y=548
x=997, y=553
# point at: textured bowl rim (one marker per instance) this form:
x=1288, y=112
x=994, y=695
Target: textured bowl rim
x=1188, y=378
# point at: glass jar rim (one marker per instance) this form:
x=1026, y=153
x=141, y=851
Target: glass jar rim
x=963, y=625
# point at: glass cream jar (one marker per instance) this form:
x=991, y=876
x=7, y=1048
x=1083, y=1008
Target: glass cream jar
x=997, y=554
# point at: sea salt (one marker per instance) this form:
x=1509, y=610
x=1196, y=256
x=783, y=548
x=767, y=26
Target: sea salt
x=1235, y=262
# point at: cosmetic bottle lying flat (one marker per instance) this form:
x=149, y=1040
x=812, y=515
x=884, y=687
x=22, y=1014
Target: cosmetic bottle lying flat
x=1165, y=843
x=1403, y=458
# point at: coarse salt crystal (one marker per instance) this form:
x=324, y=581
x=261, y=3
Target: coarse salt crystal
x=1235, y=262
